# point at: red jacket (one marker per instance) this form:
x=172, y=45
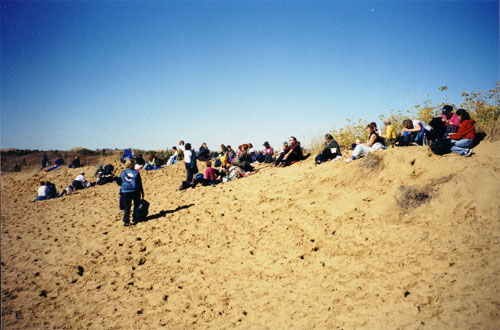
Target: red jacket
x=466, y=130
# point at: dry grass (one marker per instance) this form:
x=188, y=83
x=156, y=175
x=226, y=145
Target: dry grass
x=411, y=197
x=372, y=161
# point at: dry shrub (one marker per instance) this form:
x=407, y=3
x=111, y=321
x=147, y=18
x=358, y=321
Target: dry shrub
x=411, y=197
x=371, y=161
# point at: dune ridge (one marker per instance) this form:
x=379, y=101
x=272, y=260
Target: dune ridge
x=305, y=246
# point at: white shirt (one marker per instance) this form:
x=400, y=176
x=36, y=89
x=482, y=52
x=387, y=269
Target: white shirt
x=182, y=147
x=42, y=191
x=80, y=178
x=187, y=156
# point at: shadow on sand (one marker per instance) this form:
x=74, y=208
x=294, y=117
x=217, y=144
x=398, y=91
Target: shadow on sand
x=165, y=212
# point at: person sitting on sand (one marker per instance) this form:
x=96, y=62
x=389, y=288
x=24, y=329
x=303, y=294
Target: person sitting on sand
x=450, y=120
x=203, y=153
x=42, y=193
x=210, y=176
x=59, y=161
x=80, y=182
x=190, y=163
x=45, y=161
x=330, y=151
x=373, y=143
x=75, y=163
x=414, y=131
x=139, y=162
x=244, y=159
x=223, y=150
x=67, y=191
x=390, y=135
x=268, y=153
x=374, y=124
x=230, y=154
x=251, y=150
x=173, y=159
x=131, y=190
x=292, y=153
x=180, y=151
x=462, y=140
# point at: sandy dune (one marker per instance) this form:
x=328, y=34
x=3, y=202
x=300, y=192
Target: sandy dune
x=301, y=247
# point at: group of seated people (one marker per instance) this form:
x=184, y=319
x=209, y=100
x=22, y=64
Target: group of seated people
x=47, y=190
x=452, y=132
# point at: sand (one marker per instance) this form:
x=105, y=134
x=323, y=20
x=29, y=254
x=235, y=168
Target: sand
x=302, y=247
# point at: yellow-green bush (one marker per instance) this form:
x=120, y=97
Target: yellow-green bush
x=483, y=107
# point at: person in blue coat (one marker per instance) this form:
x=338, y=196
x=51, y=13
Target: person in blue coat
x=131, y=190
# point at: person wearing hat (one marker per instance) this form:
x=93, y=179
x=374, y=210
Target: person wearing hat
x=131, y=190
x=450, y=120
x=268, y=153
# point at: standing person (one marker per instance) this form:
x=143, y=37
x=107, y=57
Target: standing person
x=463, y=138
x=131, y=190
x=190, y=163
x=180, y=151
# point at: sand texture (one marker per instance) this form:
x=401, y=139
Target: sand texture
x=303, y=247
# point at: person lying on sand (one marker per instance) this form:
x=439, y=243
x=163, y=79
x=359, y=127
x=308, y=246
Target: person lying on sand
x=80, y=182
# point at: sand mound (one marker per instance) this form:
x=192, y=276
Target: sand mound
x=332, y=246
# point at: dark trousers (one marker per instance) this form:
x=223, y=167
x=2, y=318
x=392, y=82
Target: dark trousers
x=324, y=156
x=190, y=172
x=286, y=162
x=128, y=197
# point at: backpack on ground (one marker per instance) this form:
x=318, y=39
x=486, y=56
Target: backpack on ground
x=141, y=210
x=441, y=146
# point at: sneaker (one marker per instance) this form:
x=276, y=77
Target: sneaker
x=126, y=224
x=348, y=160
x=468, y=153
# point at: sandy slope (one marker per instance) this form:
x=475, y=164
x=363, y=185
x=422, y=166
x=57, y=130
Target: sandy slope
x=300, y=247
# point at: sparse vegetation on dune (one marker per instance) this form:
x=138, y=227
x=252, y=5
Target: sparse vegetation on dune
x=484, y=108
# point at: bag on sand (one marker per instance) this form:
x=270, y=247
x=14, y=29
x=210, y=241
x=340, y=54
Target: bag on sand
x=141, y=210
x=441, y=147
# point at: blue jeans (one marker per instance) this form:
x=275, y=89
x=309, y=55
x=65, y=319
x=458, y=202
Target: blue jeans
x=460, y=146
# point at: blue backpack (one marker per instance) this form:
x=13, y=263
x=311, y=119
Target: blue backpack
x=128, y=180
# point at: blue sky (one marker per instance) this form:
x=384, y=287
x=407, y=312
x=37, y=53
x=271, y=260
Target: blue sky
x=115, y=74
